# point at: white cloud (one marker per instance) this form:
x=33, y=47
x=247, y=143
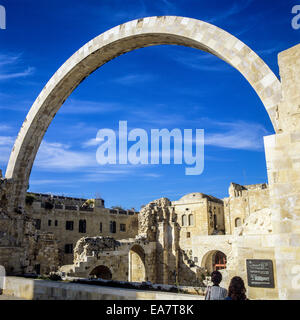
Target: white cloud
x=4, y=127
x=235, y=9
x=52, y=156
x=6, y=144
x=9, y=59
x=238, y=135
x=6, y=76
x=201, y=61
x=10, y=65
x=133, y=79
x=91, y=143
x=73, y=106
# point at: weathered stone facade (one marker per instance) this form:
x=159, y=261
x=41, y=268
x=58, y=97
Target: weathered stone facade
x=242, y=201
x=22, y=248
x=69, y=219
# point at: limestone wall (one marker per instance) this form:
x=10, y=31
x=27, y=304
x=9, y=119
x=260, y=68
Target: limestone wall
x=282, y=156
x=49, y=290
x=97, y=223
x=242, y=202
x=199, y=214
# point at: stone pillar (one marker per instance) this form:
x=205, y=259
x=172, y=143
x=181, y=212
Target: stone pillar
x=283, y=165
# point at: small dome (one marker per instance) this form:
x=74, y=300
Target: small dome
x=193, y=196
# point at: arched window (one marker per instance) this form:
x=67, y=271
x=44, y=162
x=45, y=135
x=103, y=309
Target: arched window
x=191, y=219
x=238, y=222
x=183, y=218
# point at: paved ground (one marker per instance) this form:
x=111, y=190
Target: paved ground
x=3, y=297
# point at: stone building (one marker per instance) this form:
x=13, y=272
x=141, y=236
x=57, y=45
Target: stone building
x=23, y=248
x=180, y=242
x=69, y=219
x=242, y=201
x=199, y=214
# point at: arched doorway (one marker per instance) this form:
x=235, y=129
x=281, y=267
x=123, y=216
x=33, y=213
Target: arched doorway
x=137, y=270
x=129, y=36
x=214, y=260
x=102, y=272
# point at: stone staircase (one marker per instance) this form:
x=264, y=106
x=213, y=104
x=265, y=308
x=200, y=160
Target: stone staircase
x=80, y=268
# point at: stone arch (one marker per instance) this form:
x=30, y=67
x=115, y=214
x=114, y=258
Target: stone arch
x=237, y=222
x=212, y=260
x=184, y=220
x=191, y=219
x=114, y=42
x=101, y=271
x=137, y=266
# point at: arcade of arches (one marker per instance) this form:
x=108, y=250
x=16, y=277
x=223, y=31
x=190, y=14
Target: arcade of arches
x=268, y=229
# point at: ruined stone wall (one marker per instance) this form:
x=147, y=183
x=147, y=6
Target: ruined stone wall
x=243, y=201
x=127, y=260
x=158, y=223
x=43, y=254
x=21, y=247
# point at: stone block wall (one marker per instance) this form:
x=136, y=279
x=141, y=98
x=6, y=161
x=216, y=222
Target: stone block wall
x=242, y=202
x=283, y=159
x=97, y=224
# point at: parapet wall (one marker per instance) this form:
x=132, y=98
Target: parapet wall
x=30, y=289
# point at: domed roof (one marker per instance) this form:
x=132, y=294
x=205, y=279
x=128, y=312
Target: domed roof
x=193, y=196
x=197, y=196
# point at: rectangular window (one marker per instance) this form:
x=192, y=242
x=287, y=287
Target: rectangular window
x=112, y=227
x=38, y=224
x=123, y=227
x=56, y=223
x=82, y=226
x=188, y=234
x=100, y=229
x=69, y=225
x=69, y=248
x=49, y=223
x=37, y=268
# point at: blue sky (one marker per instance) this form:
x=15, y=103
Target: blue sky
x=155, y=87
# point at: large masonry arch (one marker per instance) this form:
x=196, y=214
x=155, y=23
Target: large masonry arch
x=132, y=35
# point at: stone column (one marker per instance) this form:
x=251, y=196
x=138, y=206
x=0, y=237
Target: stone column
x=283, y=165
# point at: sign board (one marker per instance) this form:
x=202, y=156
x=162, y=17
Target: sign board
x=260, y=273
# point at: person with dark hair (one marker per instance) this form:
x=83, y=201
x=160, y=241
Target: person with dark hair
x=215, y=292
x=237, y=290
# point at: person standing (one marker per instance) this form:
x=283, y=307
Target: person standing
x=237, y=290
x=215, y=292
